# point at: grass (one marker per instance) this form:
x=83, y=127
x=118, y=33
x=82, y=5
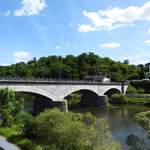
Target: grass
x=125, y=99
x=143, y=101
x=16, y=137
x=144, y=119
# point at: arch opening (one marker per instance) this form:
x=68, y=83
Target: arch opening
x=111, y=92
x=83, y=98
x=35, y=103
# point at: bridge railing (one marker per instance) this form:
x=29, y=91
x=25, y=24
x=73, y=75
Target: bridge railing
x=46, y=80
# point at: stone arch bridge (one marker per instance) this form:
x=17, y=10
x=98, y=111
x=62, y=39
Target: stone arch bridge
x=58, y=90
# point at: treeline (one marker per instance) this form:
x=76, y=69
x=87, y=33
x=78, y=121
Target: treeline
x=73, y=68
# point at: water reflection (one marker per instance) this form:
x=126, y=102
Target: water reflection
x=122, y=123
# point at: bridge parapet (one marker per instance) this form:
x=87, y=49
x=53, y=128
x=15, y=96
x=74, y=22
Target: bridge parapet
x=49, y=81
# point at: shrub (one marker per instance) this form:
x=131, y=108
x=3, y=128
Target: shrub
x=22, y=119
x=141, y=91
x=135, y=142
x=144, y=119
x=132, y=90
x=58, y=130
x=118, y=99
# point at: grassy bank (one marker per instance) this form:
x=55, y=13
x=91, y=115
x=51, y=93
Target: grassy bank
x=15, y=136
x=142, y=101
x=144, y=119
x=125, y=99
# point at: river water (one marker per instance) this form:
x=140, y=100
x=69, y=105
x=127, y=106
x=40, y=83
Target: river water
x=121, y=122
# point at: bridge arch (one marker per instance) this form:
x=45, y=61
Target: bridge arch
x=36, y=91
x=33, y=93
x=112, y=91
x=71, y=91
x=34, y=102
x=85, y=97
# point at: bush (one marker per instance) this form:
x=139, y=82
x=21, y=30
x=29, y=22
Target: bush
x=144, y=119
x=22, y=119
x=118, y=99
x=58, y=130
x=135, y=143
x=132, y=90
x=141, y=91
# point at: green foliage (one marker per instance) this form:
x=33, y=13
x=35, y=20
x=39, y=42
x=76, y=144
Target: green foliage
x=8, y=132
x=144, y=119
x=22, y=119
x=141, y=86
x=15, y=136
x=131, y=90
x=73, y=99
x=140, y=100
x=69, y=131
x=141, y=91
x=72, y=67
x=135, y=143
x=10, y=106
x=118, y=99
x=130, y=99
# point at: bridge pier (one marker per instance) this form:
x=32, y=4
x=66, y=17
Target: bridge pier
x=62, y=105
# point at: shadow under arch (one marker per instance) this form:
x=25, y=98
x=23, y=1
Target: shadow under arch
x=83, y=97
x=112, y=91
x=34, y=102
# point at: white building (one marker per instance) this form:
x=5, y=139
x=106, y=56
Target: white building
x=99, y=78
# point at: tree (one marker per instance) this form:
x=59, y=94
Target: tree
x=126, y=61
x=73, y=67
x=142, y=71
x=11, y=107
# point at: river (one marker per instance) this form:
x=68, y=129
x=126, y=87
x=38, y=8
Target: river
x=121, y=122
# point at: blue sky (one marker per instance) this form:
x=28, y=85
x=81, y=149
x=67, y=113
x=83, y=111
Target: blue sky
x=119, y=29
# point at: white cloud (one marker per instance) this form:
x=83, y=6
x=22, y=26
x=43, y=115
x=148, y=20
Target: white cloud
x=147, y=41
x=115, y=17
x=21, y=56
x=86, y=28
x=148, y=31
x=110, y=45
x=58, y=47
x=3, y=64
x=30, y=7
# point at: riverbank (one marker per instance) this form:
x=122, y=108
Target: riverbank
x=16, y=137
x=137, y=99
x=144, y=119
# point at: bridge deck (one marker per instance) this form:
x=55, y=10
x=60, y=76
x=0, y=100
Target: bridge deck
x=29, y=81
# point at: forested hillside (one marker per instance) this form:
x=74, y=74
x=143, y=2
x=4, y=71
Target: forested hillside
x=73, y=67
